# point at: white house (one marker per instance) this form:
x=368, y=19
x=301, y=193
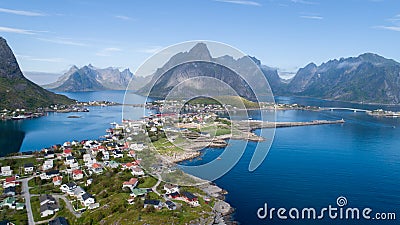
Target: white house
x=77, y=174
x=48, y=209
x=137, y=171
x=130, y=184
x=170, y=188
x=48, y=175
x=10, y=182
x=78, y=192
x=69, y=187
x=47, y=199
x=67, y=152
x=49, y=154
x=118, y=154
x=97, y=168
x=106, y=155
x=6, y=171
x=69, y=160
x=87, y=199
x=28, y=168
x=157, y=204
x=57, y=180
x=48, y=164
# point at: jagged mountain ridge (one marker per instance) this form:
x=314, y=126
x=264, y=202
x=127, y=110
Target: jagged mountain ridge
x=368, y=78
x=191, y=64
x=90, y=78
x=16, y=91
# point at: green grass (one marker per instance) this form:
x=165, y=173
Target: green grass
x=147, y=182
x=17, y=164
x=36, y=209
x=15, y=216
x=237, y=102
x=114, y=208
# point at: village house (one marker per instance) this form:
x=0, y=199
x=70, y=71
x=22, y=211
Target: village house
x=87, y=158
x=77, y=174
x=9, y=191
x=57, y=180
x=10, y=182
x=6, y=171
x=137, y=192
x=69, y=160
x=78, y=192
x=28, y=168
x=48, y=209
x=106, y=155
x=48, y=164
x=87, y=199
x=68, y=187
x=97, y=168
x=49, y=175
x=137, y=171
x=67, y=152
x=49, y=154
x=170, y=205
x=47, y=199
x=130, y=184
x=128, y=165
x=89, y=182
x=170, y=188
x=11, y=203
x=173, y=195
x=59, y=221
x=157, y=204
x=118, y=154
x=190, y=198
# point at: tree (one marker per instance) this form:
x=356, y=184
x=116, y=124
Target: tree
x=99, y=156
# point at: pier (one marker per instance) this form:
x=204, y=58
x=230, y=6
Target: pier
x=349, y=109
x=256, y=124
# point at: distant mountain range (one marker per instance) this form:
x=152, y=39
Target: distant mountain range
x=169, y=76
x=368, y=78
x=18, y=92
x=90, y=78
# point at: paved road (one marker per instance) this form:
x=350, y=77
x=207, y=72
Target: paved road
x=17, y=157
x=154, y=188
x=27, y=196
x=68, y=204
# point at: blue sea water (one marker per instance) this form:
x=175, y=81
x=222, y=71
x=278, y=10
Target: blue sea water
x=306, y=166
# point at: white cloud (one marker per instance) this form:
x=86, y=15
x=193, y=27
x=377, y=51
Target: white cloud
x=16, y=30
x=312, y=17
x=62, y=41
x=392, y=28
x=240, y=2
x=32, y=58
x=21, y=12
x=150, y=50
x=108, y=51
x=121, y=17
x=304, y=2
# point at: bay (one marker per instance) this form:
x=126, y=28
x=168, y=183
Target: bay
x=305, y=167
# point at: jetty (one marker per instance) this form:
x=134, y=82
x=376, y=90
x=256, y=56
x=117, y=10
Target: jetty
x=257, y=124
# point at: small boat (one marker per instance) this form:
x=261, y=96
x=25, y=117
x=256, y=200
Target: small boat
x=219, y=158
x=19, y=117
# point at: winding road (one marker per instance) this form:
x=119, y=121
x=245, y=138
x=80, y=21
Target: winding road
x=27, y=196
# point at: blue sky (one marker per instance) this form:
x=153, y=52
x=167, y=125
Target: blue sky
x=50, y=35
